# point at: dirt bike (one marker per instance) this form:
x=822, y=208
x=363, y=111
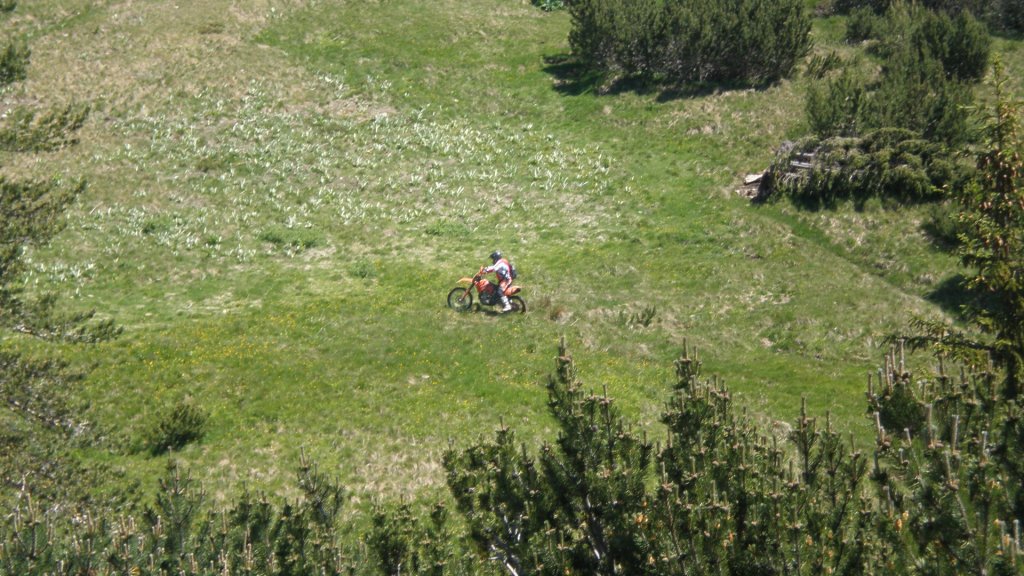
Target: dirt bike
x=461, y=297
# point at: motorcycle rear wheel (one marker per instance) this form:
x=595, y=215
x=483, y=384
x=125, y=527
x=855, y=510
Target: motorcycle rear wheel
x=518, y=304
x=457, y=302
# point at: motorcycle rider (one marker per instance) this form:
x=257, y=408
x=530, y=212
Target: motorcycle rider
x=503, y=270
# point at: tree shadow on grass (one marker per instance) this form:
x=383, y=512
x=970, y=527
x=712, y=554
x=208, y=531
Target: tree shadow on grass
x=574, y=79
x=571, y=78
x=952, y=294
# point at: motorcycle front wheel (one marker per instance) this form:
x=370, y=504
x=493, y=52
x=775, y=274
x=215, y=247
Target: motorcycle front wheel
x=460, y=300
x=518, y=304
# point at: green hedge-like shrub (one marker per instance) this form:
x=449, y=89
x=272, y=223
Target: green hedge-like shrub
x=863, y=24
x=915, y=94
x=834, y=108
x=676, y=42
x=929, y=63
x=892, y=164
x=960, y=43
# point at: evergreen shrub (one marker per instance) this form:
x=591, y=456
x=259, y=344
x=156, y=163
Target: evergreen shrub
x=549, y=5
x=835, y=107
x=942, y=489
x=929, y=64
x=14, y=62
x=1008, y=15
x=894, y=165
x=179, y=426
x=849, y=6
x=28, y=130
x=744, y=41
x=863, y=24
x=961, y=43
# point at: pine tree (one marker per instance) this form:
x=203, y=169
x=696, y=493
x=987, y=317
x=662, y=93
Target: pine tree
x=992, y=244
x=36, y=419
x=950, y=479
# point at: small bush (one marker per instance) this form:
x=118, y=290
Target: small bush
x=928, y=64
x=942, y=225
x=834, y=108
x=291, y=239
x=183, y=424
x=969, y=48
x=549, y=5
x=863, y=24
x=899, y=410
x=915, y=94
x=26, y=130
x=960, y=43
x=14, y=62
x=1008, y=15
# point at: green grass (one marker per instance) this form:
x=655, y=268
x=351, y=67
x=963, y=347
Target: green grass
x=281, y=195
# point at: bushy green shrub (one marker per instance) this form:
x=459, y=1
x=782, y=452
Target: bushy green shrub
x=929, y=62
x=948, y=471
x=745, y=41
x=891, y=164
x=835, y=107
x=863, y=24
x=915, y=94
x=617, y=36
x=549, y=5
x=14, y=62
x=720, y=495
x=960, y=43
x=849, y=6
x=179, y=426
x=1008, y=15
x=28, y=130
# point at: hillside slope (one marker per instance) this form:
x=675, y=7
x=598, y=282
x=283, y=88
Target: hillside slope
x=281, y=193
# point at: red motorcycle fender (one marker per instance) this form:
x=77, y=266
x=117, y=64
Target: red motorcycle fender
x=511, y=290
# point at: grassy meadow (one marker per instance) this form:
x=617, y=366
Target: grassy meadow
x=281, y=193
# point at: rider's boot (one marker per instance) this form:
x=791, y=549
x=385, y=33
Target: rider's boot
x=505, y=306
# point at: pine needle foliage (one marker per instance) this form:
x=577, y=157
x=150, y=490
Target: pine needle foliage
x=182, y=424
x=718, y=497
x=899, y=133
x=36, y=412
x=943, y=496
x=892, y=164
x=26, y=129
x=992, y=241
x=751, y=42
x=951, y=478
